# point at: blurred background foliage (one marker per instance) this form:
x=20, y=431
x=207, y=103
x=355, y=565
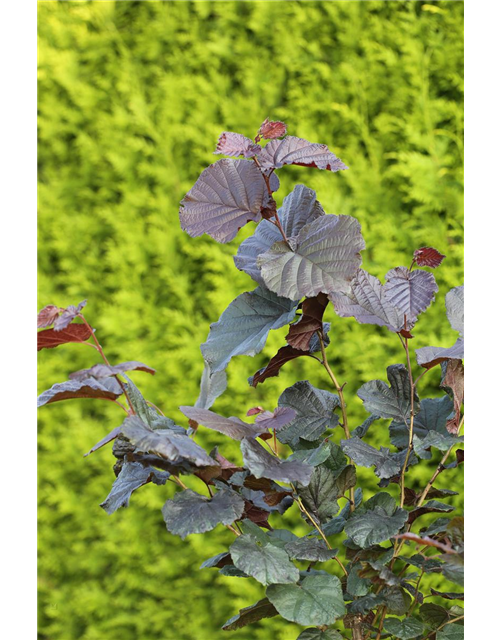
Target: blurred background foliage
x=132, y=98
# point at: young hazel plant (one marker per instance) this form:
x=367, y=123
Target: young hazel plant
x=301, y=259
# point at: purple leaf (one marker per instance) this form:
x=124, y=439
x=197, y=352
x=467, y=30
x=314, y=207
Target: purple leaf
x=410, y=291
x=47, y=316
x=235, y=144
x=311, y=321
x=107, y=438
x=453, y=383
x=299, y=208
x=455, y=309
x=271, y=130
x=325, y=257
x=67, y=316
x=292, y=150
x=226, y=196
x=429, y=357
x=49, y=338
x=277, y=419
x=428, y=257
x=89, y=388
x=366, y=302
x=232, y=427
x=284, y=355
x=105, y=371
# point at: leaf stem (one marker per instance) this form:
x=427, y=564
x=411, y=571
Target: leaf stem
x=340, y=391
x=381, y=623
x=276, y=221
x=319, y=530
x=412, y=416
x=439, y=469
x=99, y=348
x=443, y=625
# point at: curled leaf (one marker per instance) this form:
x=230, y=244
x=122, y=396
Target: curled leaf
x=67, y=316
x=47, y=316
x=232, y=427
x=303, y=330
x=292, y=150
x=236, y=144
x=105, y=370
x=284, y=355
x=87, y=388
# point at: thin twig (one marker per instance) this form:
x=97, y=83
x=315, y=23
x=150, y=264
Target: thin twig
x=443, y=625
x=319, y=530
x=99, y=348
x=439, y=469
x=340, y=391
x=412, y=416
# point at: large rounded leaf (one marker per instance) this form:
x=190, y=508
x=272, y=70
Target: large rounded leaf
x=314, y=412
x=190, y=512
x=265, y=562
x=317, y=600
x=299, y=208
x=366, y=302
x=324, y=258
x=226, y=196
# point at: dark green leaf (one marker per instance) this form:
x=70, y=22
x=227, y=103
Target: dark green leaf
x=248, y=615
x=448, y=595
x=432, y=416
x=190, y=512
x=404, y=629
x=310, y=549
x=132, y=476
x=318, y=634
x=390, y=402
x=320, y=496
x=313, y=457
x=434, y=615
x=219, y=561
x=432, y=506
x=375, y=521
x=362, y=430
x=364, y=455
x=165, y=443
x=453, y=568
x=317, y=600
x=451, y=632
x=265, y=562
x=356, y=585
x=264, y=465
x=365, y=604
x=314, y=412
